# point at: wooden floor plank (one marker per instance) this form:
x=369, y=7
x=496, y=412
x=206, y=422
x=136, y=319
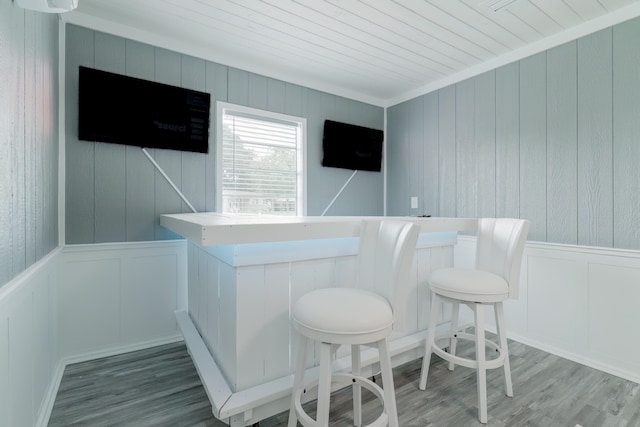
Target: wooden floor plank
x=160, y=387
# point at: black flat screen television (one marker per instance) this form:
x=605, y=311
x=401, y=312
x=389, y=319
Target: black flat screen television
x=351, y=147
x=126, y=110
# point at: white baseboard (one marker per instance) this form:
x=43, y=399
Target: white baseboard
x=114, y=351
x=578, y=358
x=50, y=396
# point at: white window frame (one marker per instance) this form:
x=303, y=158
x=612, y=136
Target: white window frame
x=301, y=169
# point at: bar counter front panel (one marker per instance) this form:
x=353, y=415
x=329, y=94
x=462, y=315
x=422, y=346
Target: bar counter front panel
x=244, y=275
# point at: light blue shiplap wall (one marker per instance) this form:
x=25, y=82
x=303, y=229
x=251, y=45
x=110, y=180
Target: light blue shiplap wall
x=554, y=138
x=28, y=138
x=114, y=194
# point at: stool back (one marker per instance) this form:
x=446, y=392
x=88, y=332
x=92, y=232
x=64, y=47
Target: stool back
x=385, y=257
x=499, y=248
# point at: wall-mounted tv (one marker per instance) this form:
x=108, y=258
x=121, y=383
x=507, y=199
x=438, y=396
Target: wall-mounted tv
x=351, y=147
x=126, y=110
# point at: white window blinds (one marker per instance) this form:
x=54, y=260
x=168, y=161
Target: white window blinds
x=261, y=167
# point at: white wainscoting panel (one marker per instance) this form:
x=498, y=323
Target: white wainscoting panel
x=578, y=302
x=21, y=346
x=202, y=295
x=44, y=336
x=28, y=364
x=278, y=330
x=227, y=303
x=4, y=371
x=251, y=308
x=118, y=297
x=516, y=311
x=152, y=292
x=557, y=300
x=614, y=297
x=212, y=329
x=89, y=298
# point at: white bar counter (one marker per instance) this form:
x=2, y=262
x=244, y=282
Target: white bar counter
x=244, y=274
x=212, y=228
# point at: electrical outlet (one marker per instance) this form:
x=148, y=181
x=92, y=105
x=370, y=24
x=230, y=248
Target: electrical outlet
x=414, y=202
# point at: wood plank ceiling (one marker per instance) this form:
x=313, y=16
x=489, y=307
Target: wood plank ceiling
x=373, y=50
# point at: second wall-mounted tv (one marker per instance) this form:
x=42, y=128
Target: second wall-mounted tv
x=126, y=110
x=351, y=147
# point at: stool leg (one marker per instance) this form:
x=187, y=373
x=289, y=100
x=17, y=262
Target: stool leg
x=298, y=379
x=324, y=386
x=504, y=347
x=426, y=359
x=481, y=363
x=455, y=313
x=387, y=382
x=357, y=388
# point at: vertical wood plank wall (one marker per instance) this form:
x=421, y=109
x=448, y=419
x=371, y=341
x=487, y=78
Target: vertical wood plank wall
x=552, y=138
x=113, y=193
x=626, y=132
x=28, y=138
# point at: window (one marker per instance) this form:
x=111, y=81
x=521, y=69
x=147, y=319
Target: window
x=260, y=161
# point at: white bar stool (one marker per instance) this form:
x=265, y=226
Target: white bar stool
x=499, y=248
x=363, y=315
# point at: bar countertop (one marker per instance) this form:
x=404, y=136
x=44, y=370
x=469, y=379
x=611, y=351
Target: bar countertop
x=213, y=228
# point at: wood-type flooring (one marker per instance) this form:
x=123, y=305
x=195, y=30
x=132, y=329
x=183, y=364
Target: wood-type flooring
x=160, y=387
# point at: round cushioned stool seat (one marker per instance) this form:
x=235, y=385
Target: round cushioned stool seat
x=469, y=285
x=343, y=315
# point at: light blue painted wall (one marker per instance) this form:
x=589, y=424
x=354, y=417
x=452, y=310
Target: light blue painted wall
x=28, y=138
x=114, y=194
x=554, y=138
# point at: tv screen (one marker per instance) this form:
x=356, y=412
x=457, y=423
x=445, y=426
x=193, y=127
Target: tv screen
x=126, y=110
x=351, y=147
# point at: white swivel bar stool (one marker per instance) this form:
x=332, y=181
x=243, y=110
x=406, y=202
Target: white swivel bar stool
x=499, y=248
x=359, y=315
